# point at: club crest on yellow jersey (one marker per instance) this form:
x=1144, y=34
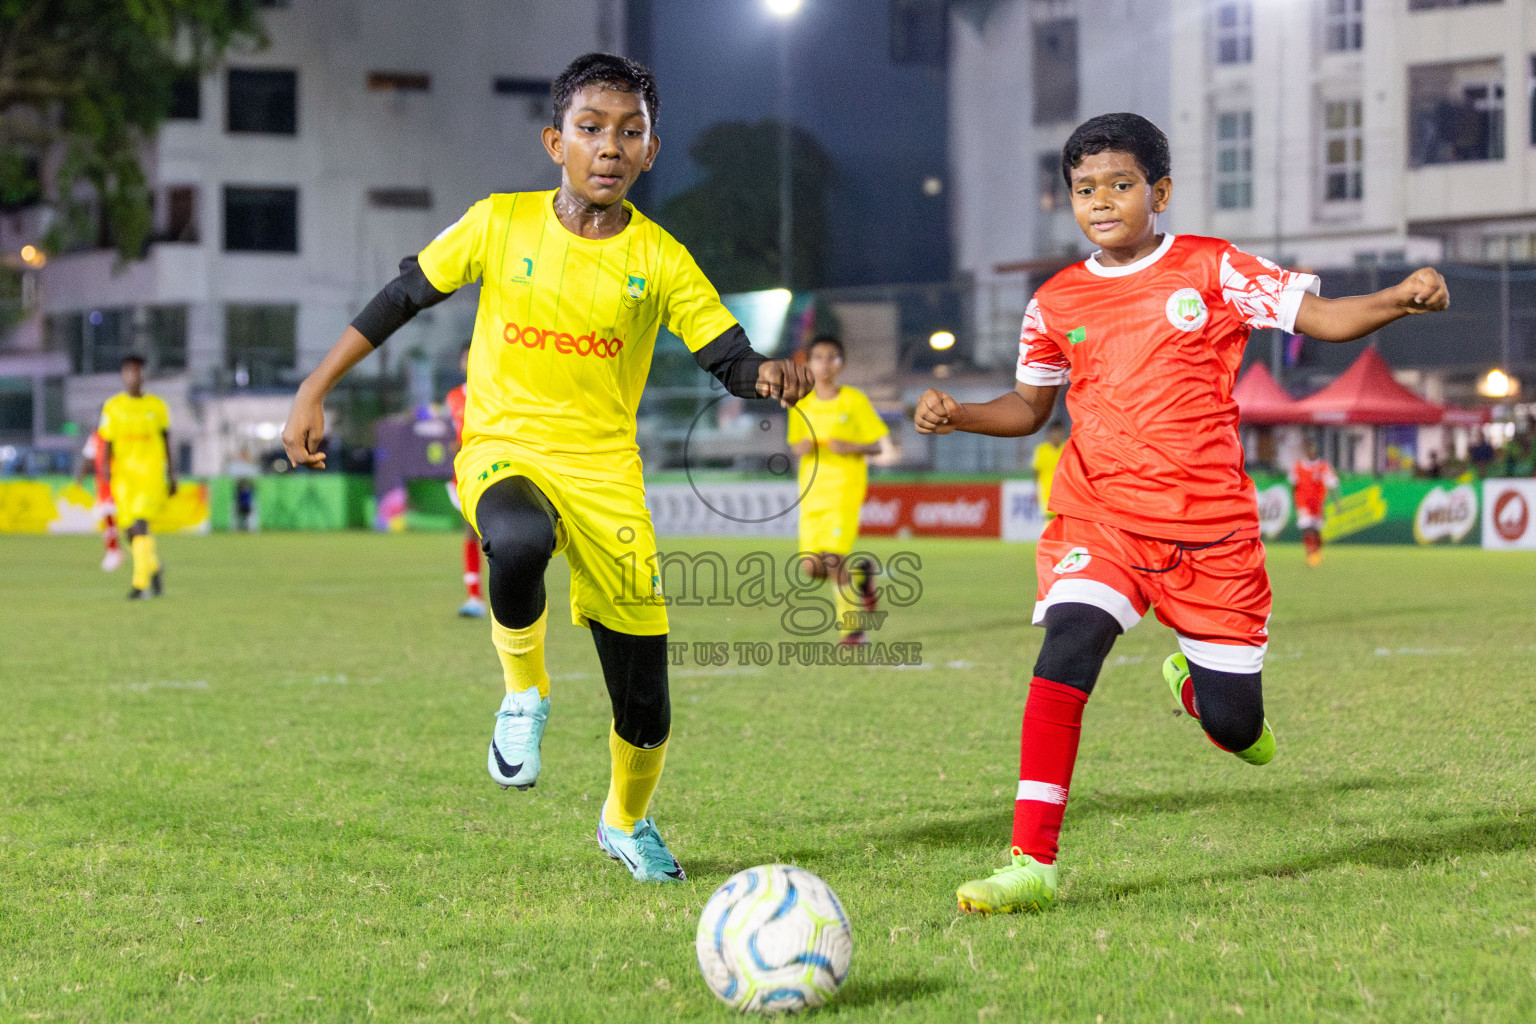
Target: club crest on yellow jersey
x=634, y=290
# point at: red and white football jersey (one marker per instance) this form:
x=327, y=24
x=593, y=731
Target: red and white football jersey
x=1311, y=482
x=455, y=400
x=1152, y=350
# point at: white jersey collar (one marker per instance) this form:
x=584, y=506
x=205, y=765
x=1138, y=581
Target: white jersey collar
x=1095, y=267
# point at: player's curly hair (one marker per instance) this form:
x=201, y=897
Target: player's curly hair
x=1119, y=133
x=604, y=69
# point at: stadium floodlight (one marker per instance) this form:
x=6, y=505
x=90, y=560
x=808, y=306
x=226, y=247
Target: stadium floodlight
x=783, y=8
x=941, y=340
x=1498, y=384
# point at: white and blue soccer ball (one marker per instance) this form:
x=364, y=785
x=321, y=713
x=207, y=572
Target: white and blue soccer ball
x=774, y=939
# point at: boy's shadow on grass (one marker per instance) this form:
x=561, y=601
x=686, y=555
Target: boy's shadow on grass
x=1394, y=852
x=988, y=827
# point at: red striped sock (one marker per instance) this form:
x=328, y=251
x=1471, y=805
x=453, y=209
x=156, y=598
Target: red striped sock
x=1053, y=718
x=472, y=566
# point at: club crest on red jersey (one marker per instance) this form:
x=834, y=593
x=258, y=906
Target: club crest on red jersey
x=1075, y=560
x=1186, y=310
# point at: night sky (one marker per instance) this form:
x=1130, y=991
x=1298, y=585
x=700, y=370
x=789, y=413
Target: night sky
x=882, y=123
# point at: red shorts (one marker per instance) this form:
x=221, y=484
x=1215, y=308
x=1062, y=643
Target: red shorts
x=1308, y=515
x=1216, y=598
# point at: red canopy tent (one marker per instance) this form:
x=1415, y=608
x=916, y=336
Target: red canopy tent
x=1367, y=393
x=1263, y=402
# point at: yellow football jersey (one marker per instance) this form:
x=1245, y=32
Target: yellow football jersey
x=848, y=417
x=136, y=427
x=567, y=325
x=1047, y=455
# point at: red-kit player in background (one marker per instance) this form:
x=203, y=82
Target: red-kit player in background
x=1311, y=480
x=96, y=451
x=1153, y=509
x=474, y=604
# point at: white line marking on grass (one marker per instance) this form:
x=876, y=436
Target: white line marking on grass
x=196, y=684
x=960, y=664
x=1418, y=652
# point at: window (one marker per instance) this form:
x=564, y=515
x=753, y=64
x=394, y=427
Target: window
x=400, y=198
x=1054, y=195
x=398, y=81
x=263, y=102
x=1531, y=96
x=504, y=85
x=165, y=330
x=96, y=339
x=1455, y=112
x=176, y=214
x=261, y=219
x=1430, y=5
x=1234, y=32
x=1234, y=160
x=1343, y=150
x=15, y=406
x=186, y=98
x=260, y=344
x=918, y=32
x=1343, y=25
x=1055, y=71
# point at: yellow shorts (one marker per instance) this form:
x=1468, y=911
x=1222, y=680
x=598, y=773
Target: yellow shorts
x=830, y=528
x=604, y=530
x=138, y=498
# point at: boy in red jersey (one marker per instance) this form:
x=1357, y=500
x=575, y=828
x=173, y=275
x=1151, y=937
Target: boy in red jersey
x=96, y=450
x=1152, y=506
x=474, y=604
x=1311, y=480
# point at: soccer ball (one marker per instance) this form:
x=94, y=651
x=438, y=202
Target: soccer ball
x=774, y=939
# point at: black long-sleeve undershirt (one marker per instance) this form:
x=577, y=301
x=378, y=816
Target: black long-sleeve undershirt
x=730, y=358
x=396, y=303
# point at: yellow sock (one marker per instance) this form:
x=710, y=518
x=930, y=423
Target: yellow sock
x=635, y=774
x=145, y=562
x=522, y=654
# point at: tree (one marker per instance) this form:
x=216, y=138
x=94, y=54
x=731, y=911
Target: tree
x=730, y=220
x=84, y=86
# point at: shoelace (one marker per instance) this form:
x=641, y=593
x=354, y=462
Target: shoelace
x=518, y=726
x=651, y=846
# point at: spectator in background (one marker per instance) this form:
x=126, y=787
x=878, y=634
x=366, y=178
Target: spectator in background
x=1480, y=454
x=1432, y=469
x=1047, y=454
x=245, y=503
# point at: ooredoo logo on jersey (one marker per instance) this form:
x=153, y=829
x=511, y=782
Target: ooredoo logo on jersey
x=584, y=345
x=1186, y=310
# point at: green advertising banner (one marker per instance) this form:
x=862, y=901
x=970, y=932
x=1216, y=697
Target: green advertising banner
x=1379, y=510
x=313, y=501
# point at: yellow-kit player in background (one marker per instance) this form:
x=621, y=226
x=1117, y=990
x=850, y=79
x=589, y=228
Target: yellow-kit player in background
x=832, y=430
x=1047, y=455
x=575, y=284
x=137, y=431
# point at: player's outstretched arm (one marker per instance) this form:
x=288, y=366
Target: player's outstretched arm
x=305, y=429
x=1020, y=412
x=1355, y=316
x=785, y=380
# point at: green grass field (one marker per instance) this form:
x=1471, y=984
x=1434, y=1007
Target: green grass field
x=264, y=798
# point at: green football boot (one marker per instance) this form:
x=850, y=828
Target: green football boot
x=1176, y=675
x=1025, y=884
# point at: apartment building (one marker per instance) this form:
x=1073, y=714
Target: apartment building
x=289, y=182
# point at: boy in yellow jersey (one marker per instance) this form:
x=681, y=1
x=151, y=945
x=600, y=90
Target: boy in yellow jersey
x=574, y=286
x=136, y=429
x=839, y=425
x=1047, y=454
